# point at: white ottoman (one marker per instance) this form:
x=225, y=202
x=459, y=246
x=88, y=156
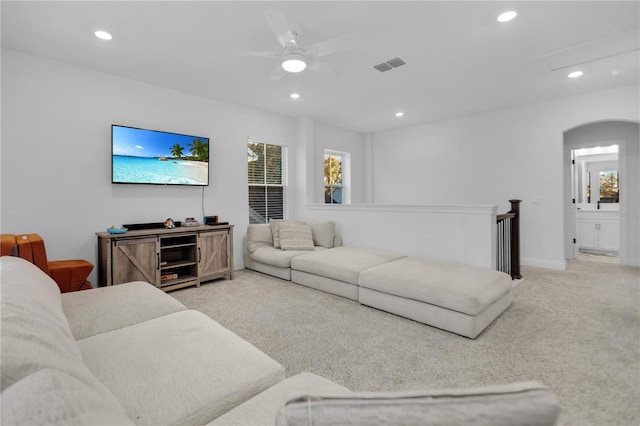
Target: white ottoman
x=455, y=297
x=337, y=270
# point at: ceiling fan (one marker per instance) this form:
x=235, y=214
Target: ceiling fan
x=293, y=57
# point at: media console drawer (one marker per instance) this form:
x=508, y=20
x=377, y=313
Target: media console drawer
x=167, y=258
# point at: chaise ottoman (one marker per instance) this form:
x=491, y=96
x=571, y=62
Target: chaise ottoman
x=337, y=270
x=455, y=297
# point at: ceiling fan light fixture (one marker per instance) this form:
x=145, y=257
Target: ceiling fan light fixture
x=294, y=62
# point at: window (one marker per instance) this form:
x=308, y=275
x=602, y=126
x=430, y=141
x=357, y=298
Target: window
x=333, y=187
x=266, y=165
x=609, y=189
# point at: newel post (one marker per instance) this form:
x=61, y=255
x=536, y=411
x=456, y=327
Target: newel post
x=515, y=239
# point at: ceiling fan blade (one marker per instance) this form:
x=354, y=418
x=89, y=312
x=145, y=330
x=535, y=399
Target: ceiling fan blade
x=280, y=26
x=334, y=45
x=256, y=53
x=277, y=74
x=321, y=67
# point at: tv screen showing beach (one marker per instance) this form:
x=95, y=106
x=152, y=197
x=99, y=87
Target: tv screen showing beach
x=159, y=158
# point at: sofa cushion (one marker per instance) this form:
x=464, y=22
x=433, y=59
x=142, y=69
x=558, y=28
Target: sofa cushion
x=96, y=311
x=295, y=236
x=456, y=286
x=262, y=409
x=323, y=233
x=35, y=332
x=52, y=397
x=181, y=368
x=528, y=403
x=277, y=257
x=259, y=235
x=341, y=263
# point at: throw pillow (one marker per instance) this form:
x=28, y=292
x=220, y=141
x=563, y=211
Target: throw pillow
x=528, y=403
x=295, y=236
x=275, y=231
x=323, y=233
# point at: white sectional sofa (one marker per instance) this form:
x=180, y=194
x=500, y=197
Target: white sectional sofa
x=131, y=354
x=264, y=253
x=462, y=299
x=127, y=354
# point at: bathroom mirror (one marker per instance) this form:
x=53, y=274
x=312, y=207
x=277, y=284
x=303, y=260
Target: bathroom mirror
x=596, y=176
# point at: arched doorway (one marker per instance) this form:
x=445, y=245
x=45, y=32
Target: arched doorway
x=606, y=133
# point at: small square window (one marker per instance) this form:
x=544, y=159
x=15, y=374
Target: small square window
x=609, y=188
x=333, y=184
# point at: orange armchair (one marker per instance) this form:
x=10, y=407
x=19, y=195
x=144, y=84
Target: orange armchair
x=70, y=275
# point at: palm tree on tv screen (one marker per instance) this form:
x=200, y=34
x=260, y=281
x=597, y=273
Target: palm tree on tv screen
x=176, y=150
x=199, y=149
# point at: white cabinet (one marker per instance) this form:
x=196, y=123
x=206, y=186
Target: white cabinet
x=609, y=235
x=598, y=230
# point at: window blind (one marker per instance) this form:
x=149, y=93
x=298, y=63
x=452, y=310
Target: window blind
x=267, y=174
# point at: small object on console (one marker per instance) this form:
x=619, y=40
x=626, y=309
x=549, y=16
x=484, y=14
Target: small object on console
x=190, y=221
x=114, y=230
x=211, y=220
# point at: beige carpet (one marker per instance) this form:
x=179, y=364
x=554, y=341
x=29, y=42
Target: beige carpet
x=598, y=257
x=576, y=331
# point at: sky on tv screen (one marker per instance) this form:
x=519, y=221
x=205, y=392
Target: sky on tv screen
x=148, y=143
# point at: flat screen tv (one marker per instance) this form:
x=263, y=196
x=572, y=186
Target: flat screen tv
x=158, y=158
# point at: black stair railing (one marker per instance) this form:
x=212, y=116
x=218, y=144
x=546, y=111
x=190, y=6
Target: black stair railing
x=508, y=247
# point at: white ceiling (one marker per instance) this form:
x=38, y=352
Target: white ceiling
x=460, y=60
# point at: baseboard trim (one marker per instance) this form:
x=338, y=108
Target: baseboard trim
x=630, y=262
x=560, y=265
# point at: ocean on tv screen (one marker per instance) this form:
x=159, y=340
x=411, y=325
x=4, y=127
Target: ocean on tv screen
x=159, y=170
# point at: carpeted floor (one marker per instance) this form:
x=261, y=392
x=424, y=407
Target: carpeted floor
x=576, y=331
x=598, y=257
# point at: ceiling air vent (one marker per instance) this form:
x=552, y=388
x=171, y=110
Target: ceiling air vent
x=390, y=64
x=383, y=67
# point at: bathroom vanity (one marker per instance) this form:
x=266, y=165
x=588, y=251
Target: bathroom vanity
x=599, y=230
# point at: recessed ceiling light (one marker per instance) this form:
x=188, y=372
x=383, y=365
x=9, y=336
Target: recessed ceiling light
x=295, y=96
x=507, y=16
x=103, y=35
x=575, y=74
x=399, y=114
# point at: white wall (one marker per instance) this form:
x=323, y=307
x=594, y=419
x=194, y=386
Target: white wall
x=56, y=148
x=55, y=175
x=492, y=157
x=452, y=232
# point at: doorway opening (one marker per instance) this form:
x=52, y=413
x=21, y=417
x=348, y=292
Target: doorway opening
x=601, y=206
x=596, y=192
